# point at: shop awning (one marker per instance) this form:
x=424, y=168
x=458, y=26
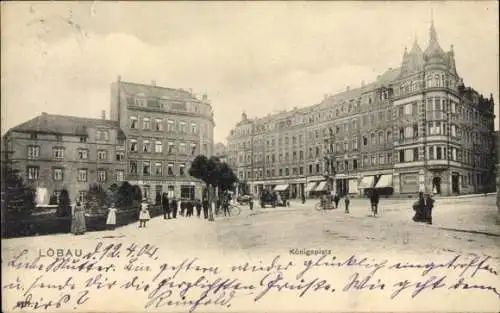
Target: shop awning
x=310, y=186
x=384, y=181
x=367, y=182
x=321, y=186
x=281, y=188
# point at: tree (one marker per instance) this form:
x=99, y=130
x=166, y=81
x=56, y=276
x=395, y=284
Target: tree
x=124, y=196
x=213, y=173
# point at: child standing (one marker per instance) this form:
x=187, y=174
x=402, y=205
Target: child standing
x=144, y=214
x=111, y=220
x=347, y=201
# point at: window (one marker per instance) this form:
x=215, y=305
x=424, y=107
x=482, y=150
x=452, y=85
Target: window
x=170, y=147
x=145, y=146
x=82, y=175
x=158, y=169
x=133, y=122
x=170, y=126
x=415, y=154
x=407, y=108
x=146, y=168
x=193, y=128
x=453, y=131
x=59, y=138
x=381, y=137
x=355, y=164
x=373, y=139
x=119, y=175
x=33, y=136
x=366, y=161
x=102, y=135
x=182, y=171
x=101, y=175
x=146, y=123
x=83, y=154
x=120, y=156
x=158, y=146
x=158, y=124
x=182, y=148
x=33, y=172
x=374, y=160
x=355, y=143
x=83, y=139
x=182, y=127
x=381, y=159
x=170, y=169
x=389, y=158
x=439, y=153
x=58, y=153
x=365, y=141
x=133, y=167
x=317, y=168
x=102, y=155
x=401, y=156
x=133, y=145
x=82, y=195
x=33, y=152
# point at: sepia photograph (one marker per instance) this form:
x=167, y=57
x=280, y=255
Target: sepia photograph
x=250, y=156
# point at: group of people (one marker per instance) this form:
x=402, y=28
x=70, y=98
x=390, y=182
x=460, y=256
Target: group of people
x=185, y=208
x=423, y=208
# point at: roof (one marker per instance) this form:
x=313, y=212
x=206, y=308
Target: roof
x=65, y=125
x=156, y=91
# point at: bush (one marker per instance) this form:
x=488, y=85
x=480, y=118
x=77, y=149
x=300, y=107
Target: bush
x=97, y=200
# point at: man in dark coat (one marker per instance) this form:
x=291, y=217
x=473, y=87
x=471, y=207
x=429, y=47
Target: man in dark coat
x=189, y=208
x=206, y=205
x=198, y=208
x=166, y=206
x=336, y=200
x=428, y=206
x=174, y=208
x=374, y=199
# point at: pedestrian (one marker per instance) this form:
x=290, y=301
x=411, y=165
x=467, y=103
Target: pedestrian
x=250, y=203
x=419, y=208
x=189, y=208
x=198, y=207
x=428, y=206
x=225, y=206
x=374, y=199
x=174, y=208
x=78, y=226
x=303, y=198
x=336, y=200
x=111, y=219
x=183, y=208
x=205, y=208
x=165, y=202
x=347, y=201
x=144, y=214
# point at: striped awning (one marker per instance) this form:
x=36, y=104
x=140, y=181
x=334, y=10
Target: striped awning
x=310, y=186
x=384, y=181
x=281, y=188
x=367, y=182
x=321, y=186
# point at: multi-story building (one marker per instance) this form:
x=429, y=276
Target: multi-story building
x=166, y=129
x=417, y=127
x=55, y=152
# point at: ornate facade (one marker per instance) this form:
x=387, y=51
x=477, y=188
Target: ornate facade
x=417, y=127
x=166, y=129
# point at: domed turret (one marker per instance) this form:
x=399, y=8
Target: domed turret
x=244, y=116
x=434, y=53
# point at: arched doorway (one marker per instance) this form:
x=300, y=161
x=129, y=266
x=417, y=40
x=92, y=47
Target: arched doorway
x=436, y=185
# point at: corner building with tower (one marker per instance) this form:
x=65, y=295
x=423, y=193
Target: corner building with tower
x=165, y=129
x=416, y=128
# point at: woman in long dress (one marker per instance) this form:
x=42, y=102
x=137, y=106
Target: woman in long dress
x=111, y=220
x=78, y=226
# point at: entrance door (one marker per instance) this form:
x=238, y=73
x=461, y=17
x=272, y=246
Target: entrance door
x=436, y=185
x=455, y=186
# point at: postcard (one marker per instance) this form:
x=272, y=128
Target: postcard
x=250, y=156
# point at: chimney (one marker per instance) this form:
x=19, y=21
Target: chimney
x=153, y=83
x=204, y=97
x=103, y=114
x=44, y=113
x=119, y=78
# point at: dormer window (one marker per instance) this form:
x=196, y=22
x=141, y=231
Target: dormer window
x=83, y=139
x=33, y=136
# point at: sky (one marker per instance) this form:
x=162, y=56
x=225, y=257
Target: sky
x=258, y=58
